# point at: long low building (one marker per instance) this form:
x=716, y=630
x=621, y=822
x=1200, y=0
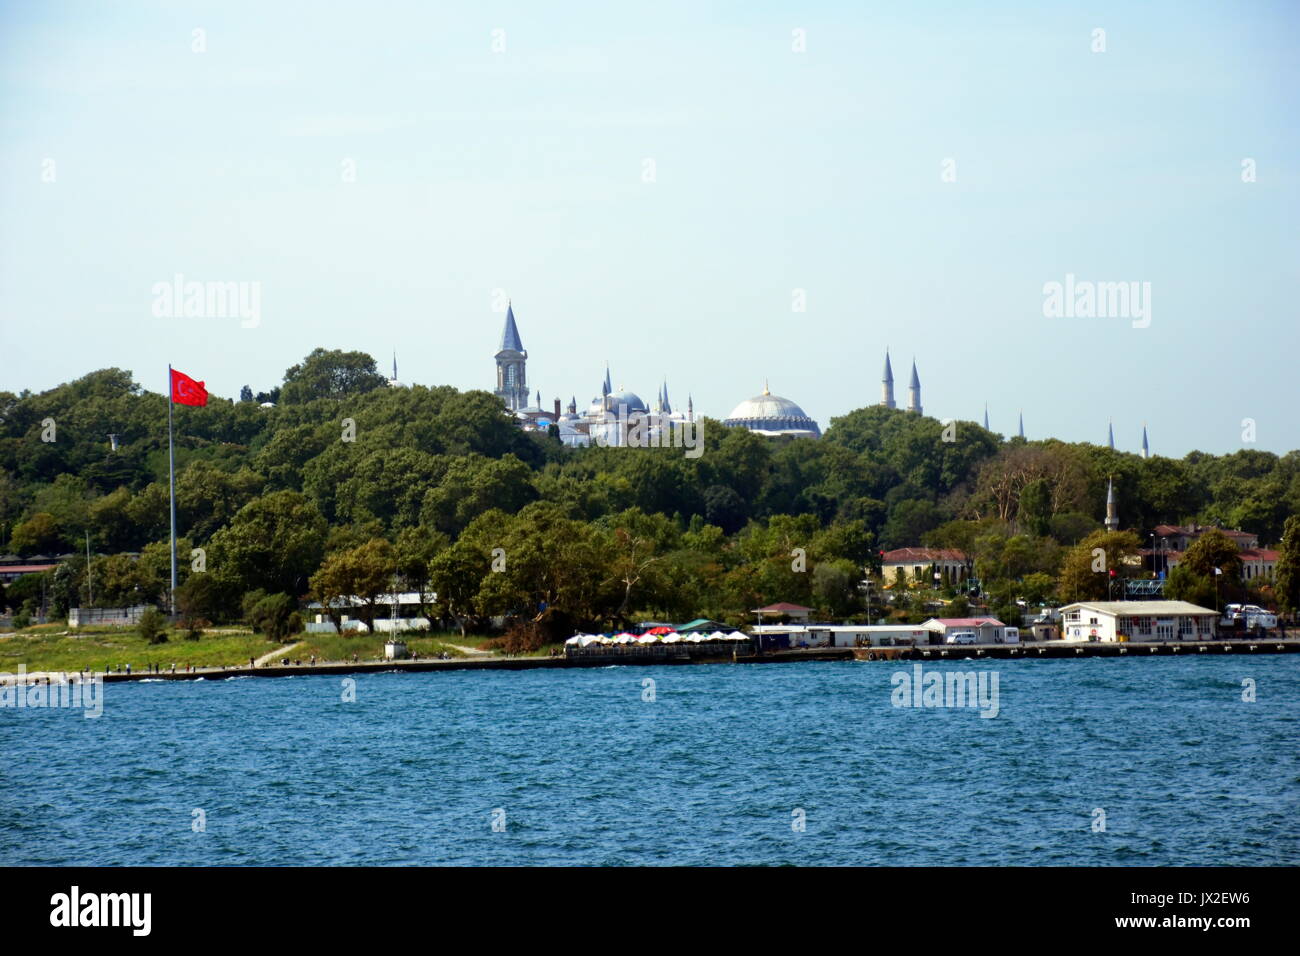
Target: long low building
x=1137, y=621
x=842, y=635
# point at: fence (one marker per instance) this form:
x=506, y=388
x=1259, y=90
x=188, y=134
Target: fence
x=82, y=616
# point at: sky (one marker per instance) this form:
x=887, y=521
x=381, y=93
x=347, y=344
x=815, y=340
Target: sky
x=712, y=194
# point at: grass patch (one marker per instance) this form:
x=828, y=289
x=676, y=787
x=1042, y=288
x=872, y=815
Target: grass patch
x=48, y=648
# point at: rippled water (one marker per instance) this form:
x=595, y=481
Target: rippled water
x=710, y=772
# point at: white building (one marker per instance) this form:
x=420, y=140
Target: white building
x=1137, y=621
x=988, y=630
x=396, y=612
x=847, y=635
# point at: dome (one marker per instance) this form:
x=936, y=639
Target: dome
x=771, y=413
x=631, y=399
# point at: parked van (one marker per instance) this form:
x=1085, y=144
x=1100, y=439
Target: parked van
x=1011, y=635
x=961, y=637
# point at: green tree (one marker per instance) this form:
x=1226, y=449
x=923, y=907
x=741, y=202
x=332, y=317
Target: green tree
x=330, y=373
x=274, y=542
x=365, y=573
x=39, y=534
x=1288, y=567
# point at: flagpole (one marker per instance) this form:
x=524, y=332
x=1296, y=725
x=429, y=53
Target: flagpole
x=171, y=476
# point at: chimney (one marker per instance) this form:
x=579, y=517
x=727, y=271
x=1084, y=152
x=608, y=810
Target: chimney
x=557, y=409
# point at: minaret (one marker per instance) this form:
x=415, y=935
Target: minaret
x=986, y=416
x=573, y=405
x=539, y=398
x=1110, y=435
x=690, y=407
x=1112, y=517
x=394, y=365
x=666, y=406
x=512, y=384
x=887, y=385
x=1022, y=424
x=914, y=392
x=1146, y=449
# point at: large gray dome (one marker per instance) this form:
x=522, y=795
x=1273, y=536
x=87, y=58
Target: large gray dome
x=771, y=413
x=631, y=399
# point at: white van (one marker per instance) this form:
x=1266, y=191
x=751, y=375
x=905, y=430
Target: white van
x=961, y=637
x=1011, y=635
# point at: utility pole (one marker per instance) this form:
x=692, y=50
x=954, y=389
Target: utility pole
x=90, y=581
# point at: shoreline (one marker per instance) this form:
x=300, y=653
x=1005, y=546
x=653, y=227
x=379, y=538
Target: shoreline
x=1041, y=650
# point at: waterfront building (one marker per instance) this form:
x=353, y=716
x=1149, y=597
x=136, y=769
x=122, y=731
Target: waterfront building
x=795, y=612
x=988, y=630
x=1137, y=621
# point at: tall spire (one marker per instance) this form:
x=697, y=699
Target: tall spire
x=512, y=358
x=914, y=391
x=1022, y=424
x=667, y=406
x=510, y=334
x=1112, y=516
x=986, y=416
x=1146, y=449
x=394, y=365
x=887, y=384
x=606, y=388
x=690, y=407
x=1110, y=435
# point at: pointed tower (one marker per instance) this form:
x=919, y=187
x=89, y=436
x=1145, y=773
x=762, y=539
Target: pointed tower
x=1112, y=516
x=1022, y=424
x=887, y=385
x=690, y=407
x=394, y=365
x=573, y=405
x=914, y=391
x=1146, y=449
x=986, y=416
x=667, y=407
x=512, y=383
x=1110, y=435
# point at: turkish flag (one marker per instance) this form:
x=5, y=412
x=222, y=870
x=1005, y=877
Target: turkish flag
x=186, y=391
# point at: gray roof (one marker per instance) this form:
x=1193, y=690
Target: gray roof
x=889, y=372
x=510, y=334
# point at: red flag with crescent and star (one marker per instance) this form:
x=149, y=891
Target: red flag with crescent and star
x=186, y=391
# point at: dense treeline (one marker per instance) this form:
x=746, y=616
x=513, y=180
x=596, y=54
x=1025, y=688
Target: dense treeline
x=439, y=490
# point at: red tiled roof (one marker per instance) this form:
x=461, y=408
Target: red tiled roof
x=1259, y=554
x=25, y=568
x=784, y=606
x=967, y=621
x=902, y=555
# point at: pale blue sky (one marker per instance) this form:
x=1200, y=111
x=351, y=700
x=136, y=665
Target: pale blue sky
x=522, y=171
